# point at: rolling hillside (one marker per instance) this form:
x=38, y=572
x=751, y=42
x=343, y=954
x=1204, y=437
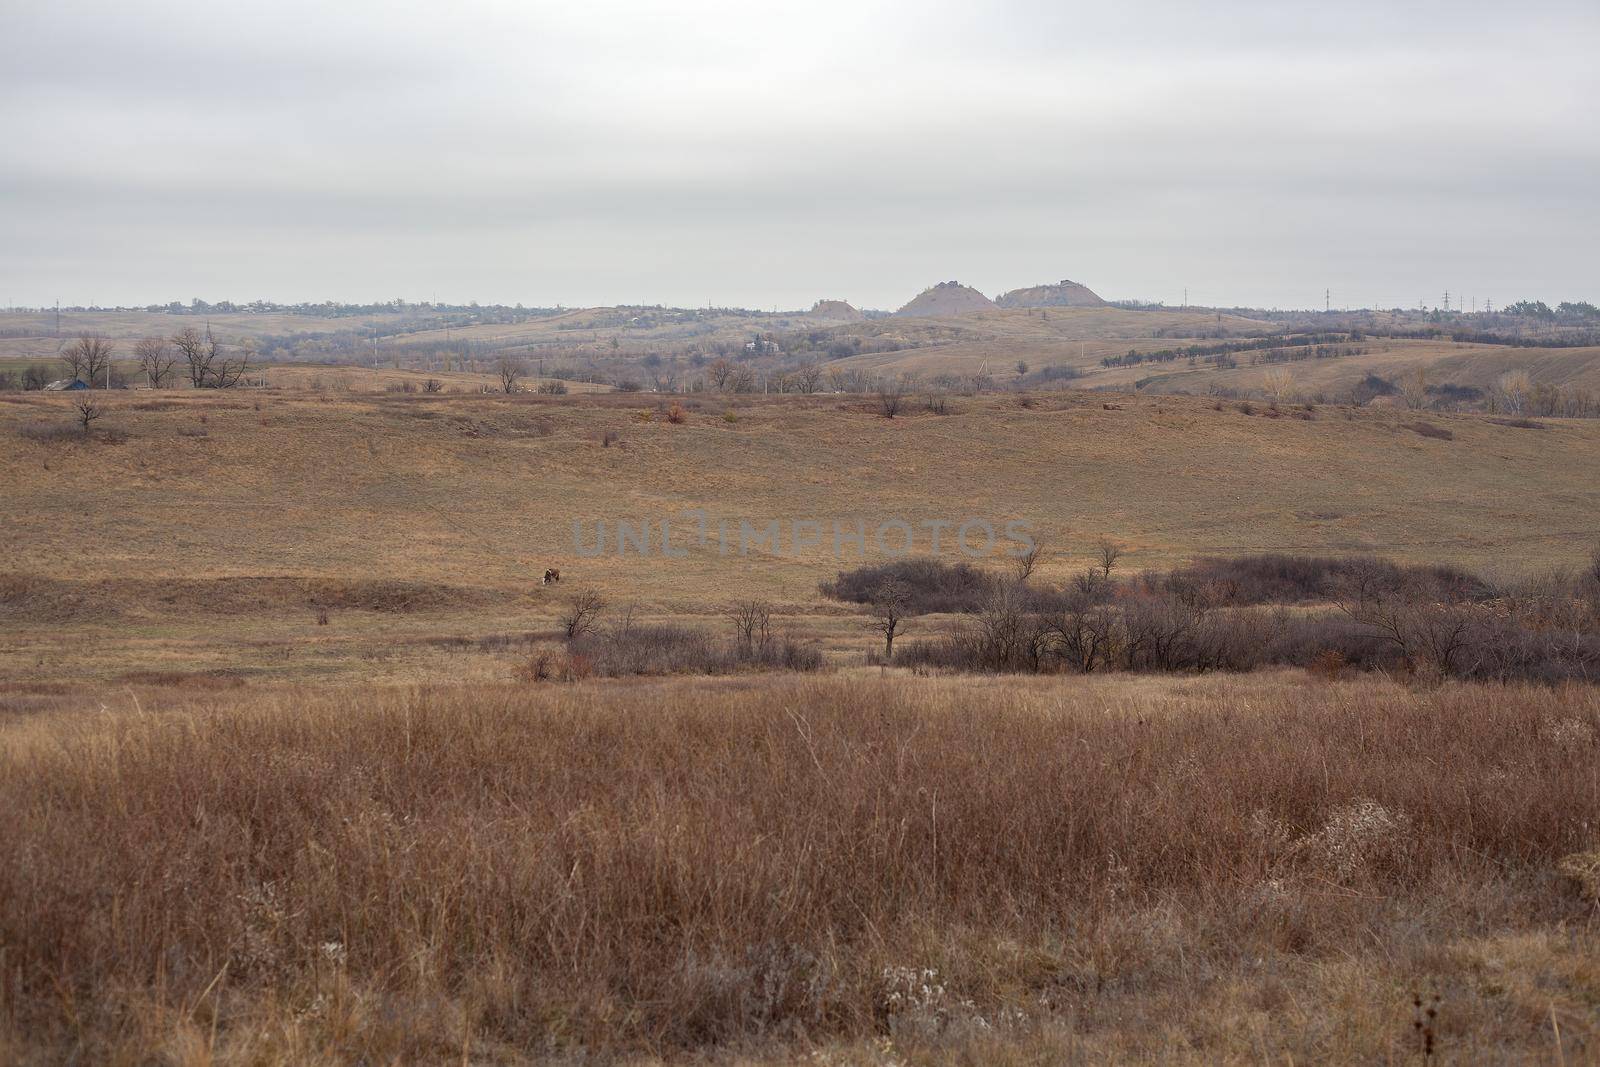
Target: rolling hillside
x=211, y=526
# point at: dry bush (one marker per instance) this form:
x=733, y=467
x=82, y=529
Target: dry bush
x=671, y=868
x=1428, y=429
x=582, y=614
x=49, y=433
x=1283, y=578
x=932, y=585
x=676, y=415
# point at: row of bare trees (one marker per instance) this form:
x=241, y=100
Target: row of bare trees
x=205, y=361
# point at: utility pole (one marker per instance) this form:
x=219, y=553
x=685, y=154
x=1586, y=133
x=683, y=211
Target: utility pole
x=1327, y=300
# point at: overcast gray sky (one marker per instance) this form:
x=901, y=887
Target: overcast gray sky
x=771, y=154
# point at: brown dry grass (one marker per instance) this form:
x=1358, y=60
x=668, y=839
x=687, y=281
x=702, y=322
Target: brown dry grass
x=1211, y=870
x=148, y=543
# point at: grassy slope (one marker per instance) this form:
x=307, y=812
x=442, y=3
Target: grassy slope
x=477, y=495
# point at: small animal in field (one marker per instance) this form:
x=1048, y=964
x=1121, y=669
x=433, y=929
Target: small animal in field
x=551, y=575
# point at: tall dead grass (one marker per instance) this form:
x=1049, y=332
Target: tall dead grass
x=765, y=863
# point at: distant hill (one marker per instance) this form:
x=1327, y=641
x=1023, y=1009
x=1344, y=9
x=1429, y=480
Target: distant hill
x=834, y=309
x=1064, y=294
x=946, y=299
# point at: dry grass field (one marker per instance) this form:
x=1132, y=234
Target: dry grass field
x=851, y=870
x=196, y=536
x=281, y=787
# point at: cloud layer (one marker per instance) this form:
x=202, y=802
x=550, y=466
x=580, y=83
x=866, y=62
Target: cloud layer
x=767, y=155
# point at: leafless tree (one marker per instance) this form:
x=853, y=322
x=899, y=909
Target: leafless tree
x=88, y=411
x=891, y=605
x=89, y=357
x=1022, y=566
x=1086, y=634
x=752, y=625
x=1423, y=630
x=1107, y=554
x=583, y=613
x=1511, y=390
x=207, y=364
x=719, y=373
x=1278, y=383
x=432, y=385
x=156, y=359
x=1004, y=628
x=1414, y=389
x=743, y=381
x=510, y=371
x=809, y=378
x=890, y=397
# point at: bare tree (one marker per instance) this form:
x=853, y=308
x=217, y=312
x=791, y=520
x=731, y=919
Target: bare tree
x=1278, y=383
x=890, y=396
x=1414, y=389
x=752, y=625
x=156, y=359
x=1106, y=555
x=207, y=364
x=510, y=370
x=1004, y=629
x=1512, y=389
x=808, y=378
x=89, y=358
x=891, y=605
x=1426, y=632
x=1022, y=566
x=743, y=381
x=719, y=373
x=88, y=411
x=432, y=385
x=583, y=612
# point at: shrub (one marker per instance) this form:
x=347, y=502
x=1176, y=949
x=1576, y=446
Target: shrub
x=1283, y=578
x=644, y=649
x=933, y=585
x=676, y=415
x=582, y=614
x=50, y=433
x=1427, y=429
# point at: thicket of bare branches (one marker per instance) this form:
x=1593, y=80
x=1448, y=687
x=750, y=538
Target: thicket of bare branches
x=88, y=412
x=510, y=371
x=208, y=364
x=89, y=359
x=157, y=359
x=752, y=625
x=582, y=614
